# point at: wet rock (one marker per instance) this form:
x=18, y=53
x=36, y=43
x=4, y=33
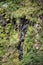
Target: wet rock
x=23, y=26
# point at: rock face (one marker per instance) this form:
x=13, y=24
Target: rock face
x=23, y=26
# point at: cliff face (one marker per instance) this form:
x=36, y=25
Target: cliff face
x=21, y=32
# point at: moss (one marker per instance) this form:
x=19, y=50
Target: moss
x=9, y=37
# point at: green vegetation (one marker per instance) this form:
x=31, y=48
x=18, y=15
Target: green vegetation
x=11, y=11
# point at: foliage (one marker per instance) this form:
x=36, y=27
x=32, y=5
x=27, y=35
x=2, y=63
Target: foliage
x=11, y=11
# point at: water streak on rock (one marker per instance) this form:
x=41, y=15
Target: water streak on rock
x=23, y=26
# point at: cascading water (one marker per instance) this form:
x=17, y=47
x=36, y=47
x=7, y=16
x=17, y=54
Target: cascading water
x=23, y=26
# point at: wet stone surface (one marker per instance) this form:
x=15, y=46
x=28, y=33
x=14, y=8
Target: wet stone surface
x=23, y=26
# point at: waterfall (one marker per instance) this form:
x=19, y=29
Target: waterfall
x=23, y=26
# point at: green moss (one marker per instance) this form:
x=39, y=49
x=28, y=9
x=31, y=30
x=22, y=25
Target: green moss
x=9, y=37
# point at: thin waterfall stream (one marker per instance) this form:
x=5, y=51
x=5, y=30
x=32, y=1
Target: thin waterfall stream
x=23, y=26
